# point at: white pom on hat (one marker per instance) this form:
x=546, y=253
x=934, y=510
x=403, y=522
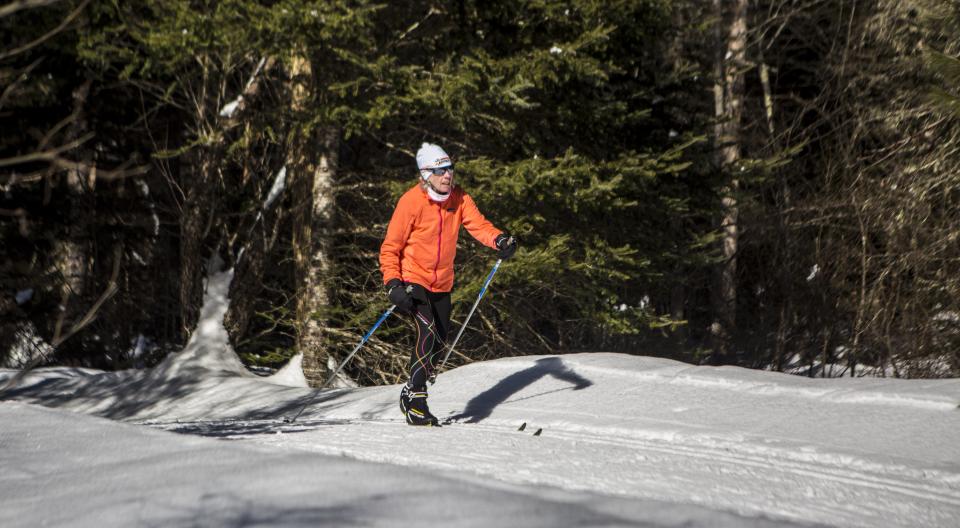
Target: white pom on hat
x=431, y=156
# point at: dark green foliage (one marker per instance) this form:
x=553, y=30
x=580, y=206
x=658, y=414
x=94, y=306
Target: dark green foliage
x=546, y=109
x=546, y=106
x=578, y=126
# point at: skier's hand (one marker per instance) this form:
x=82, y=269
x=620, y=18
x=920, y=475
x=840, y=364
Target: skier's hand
x=506, y=245
x=399, y=295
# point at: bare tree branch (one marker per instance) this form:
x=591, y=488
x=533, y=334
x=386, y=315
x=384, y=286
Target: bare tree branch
x=57, y=162
x=83, y=168
x=19, y=77
x=18, y=5
x=46, y=155
x=30, y=45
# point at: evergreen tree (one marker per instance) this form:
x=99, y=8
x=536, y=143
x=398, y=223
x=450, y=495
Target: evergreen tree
x=547, y=108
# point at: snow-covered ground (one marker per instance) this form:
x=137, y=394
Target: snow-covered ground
x=626, y=440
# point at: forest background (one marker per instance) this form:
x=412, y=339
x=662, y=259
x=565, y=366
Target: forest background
x=765, y=183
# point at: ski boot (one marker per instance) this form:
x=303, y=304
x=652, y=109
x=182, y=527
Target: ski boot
x=417, y=412
x=405, y=399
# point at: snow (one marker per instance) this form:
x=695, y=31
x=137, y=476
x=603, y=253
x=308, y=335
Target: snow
x=952, y=317
x=23, y=296
x=145, y=192
x=627, y=440
x=291, y=375
x=27, y=345
x=231, y=107
x=139, y=346
x=136, y=256
x=279, y=184
x=256, y=71
x=208, y=349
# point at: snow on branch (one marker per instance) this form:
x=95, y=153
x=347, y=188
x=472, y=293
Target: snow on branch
x=231, y=109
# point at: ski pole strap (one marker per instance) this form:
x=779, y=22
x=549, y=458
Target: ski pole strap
x=463, y=327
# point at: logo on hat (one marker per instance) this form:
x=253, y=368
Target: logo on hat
x=431, y=156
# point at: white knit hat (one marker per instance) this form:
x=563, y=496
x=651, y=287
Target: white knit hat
x=431, y=156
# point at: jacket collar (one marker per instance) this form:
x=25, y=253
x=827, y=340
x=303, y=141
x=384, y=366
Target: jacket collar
x=425, y=192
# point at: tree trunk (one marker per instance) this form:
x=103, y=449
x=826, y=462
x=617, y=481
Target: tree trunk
x=259, y=240
x=197, y=182
x=194, y=226
x=676, y=55
x=72, y=252
x=785, y=269
x=247, y=282
x=728, y=99
x=312, y=177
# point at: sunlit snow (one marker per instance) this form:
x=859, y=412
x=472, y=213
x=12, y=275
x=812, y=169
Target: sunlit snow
x=626, y=441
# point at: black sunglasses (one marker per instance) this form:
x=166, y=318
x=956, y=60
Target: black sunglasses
x=439, y=171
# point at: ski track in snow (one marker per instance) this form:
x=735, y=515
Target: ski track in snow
x=746, y=479
x=851, y=452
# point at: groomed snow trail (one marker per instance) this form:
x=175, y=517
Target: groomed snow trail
x=745, y=479
x=772, y=447
x=755, y=443
x=66, y=469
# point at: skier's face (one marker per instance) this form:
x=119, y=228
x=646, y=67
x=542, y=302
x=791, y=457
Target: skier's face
x=442, y=183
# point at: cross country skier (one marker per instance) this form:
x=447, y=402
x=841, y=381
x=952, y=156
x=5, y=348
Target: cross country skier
x=416, y=260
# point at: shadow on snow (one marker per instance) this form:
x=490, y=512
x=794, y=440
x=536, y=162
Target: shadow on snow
x=484, y=403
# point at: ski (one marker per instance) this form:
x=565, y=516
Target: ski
x=523, y=427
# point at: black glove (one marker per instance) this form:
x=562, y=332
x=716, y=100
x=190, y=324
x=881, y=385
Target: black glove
x=400, y=295
x=506, y=245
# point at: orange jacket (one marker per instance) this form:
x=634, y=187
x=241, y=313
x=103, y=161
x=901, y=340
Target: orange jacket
x=421, y=240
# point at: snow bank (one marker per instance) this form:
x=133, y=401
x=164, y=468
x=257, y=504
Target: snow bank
x=749, y=443
x=749, y=446
x=291, y=375
x=208, y=350
x=939, y=394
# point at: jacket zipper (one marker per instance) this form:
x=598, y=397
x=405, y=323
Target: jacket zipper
x=439, y=242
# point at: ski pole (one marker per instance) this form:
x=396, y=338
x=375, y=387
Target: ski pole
x=344, y=362
x=483, y=290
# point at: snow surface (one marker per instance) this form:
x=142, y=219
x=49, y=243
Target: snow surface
x=626, y=441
